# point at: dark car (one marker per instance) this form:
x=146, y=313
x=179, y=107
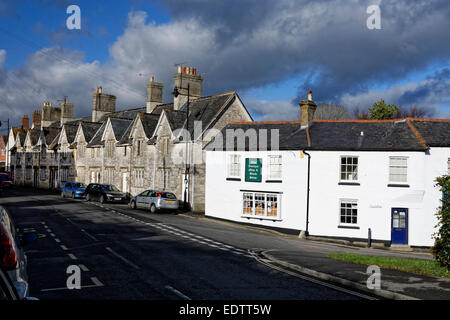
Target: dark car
x=5, y=180
x=12, y=257
x=73, y=189
x=105, y=193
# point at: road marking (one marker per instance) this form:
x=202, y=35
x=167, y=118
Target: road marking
x=122, y=258
x=57, y=240
x=72, y=256
x=89, y=235
x=64, y=247
x=83, y=267
x=310, y=279
x=178, y=293
x=52, y=234
x=97, y=283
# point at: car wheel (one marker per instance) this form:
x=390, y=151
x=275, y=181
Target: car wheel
x=153, y=208
x=133, y=204
x=102, y=199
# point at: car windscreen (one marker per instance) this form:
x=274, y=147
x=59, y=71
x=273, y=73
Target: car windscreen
x=168, y=195
x=79, y=185
x=110, y=188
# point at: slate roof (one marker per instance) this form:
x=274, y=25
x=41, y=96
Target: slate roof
x=124, y=114
x=50, y=134
x=207, y=109
x=89, y=129
x=96, y=140
x=34, y=135
x=119, y=127
x=370, y=135
x=71, y=131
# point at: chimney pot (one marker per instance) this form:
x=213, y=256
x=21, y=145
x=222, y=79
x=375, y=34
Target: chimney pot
x=310, y=96
x=152, y=79
x=179, y=69
x=184, y=69
x=195, y=71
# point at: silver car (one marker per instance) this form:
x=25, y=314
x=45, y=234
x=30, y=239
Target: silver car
x=12, y=257
x=154, y=200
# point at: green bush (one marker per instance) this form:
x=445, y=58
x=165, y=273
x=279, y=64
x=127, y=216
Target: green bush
x=441, y=248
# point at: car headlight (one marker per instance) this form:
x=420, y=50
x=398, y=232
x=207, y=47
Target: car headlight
x=109, y=195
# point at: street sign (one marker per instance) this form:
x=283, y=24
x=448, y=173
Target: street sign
x=253, y=169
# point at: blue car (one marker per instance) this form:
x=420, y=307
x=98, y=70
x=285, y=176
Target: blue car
x=73, y=190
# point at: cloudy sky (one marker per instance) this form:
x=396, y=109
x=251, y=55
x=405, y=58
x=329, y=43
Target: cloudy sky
x=271, y=52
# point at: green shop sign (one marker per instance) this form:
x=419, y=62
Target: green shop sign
x=253, y=170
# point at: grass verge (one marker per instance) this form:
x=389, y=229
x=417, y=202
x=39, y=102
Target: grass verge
x=424, y=267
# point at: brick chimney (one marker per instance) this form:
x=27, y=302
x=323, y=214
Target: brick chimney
x=154, y=94
x=25, y=122
x=36, y=119
x=307, y=109
x=187, y=76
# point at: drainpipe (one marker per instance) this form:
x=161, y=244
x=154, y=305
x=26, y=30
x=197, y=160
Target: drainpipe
x=306, y=232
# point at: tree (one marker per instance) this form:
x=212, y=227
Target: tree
x=360, y=114
x=331, y=111
x=441, y=248
x=414, y=112
x=381, y=110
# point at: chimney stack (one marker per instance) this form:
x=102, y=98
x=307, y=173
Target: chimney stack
x=187, y=76
x=66, y=111
x=154, y=94
x=102, y=104
x=36, y=119
x=25, y=122
x=307, y=110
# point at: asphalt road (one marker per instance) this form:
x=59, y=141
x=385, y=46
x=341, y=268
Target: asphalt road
x=128, y=254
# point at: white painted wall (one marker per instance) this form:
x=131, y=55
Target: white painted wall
x=224, y=198
x=375, y=198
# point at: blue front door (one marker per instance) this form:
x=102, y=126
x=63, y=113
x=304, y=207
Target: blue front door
x=399, y=226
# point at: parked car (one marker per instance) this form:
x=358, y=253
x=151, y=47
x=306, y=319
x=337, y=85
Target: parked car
x=12, y=257
x=154, y=200
x=7, y=290
x=5, y=180
x=105, y=193
x=73, y=189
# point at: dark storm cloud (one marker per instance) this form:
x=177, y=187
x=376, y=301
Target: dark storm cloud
x=326, y=39
x=434, y=88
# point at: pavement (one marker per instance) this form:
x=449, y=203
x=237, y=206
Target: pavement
x=133, y=254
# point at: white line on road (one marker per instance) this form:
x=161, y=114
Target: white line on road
x=83, y=267
x=64, y=247
x=57, y=240
x=178, y=293
x=122, y=258
x=52, y=234
x=97, y=282
x=89, y=235
x=72, y=256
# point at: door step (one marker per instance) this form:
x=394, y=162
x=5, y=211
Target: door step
x=401, y=247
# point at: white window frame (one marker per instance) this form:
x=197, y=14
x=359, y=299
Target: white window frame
x=233, y=167
x=350, y=201
x=391, y=166
x=139, y=177
x=275, y=174
x=347, y=165
x=251, y=213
